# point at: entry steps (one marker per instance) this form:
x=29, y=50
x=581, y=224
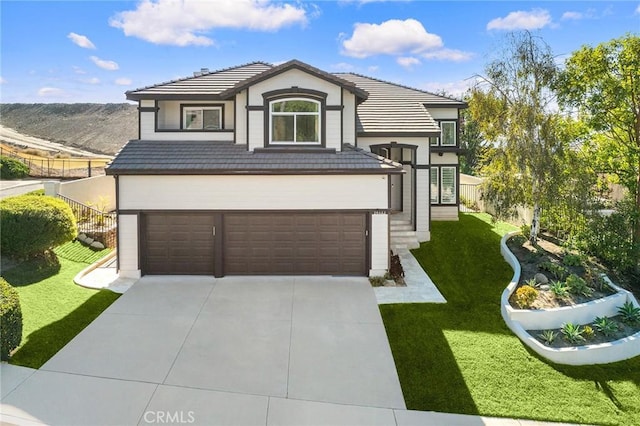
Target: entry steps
x=402, y=234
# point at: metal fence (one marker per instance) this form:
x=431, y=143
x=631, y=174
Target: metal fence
x=93, y=223
x=58, y=167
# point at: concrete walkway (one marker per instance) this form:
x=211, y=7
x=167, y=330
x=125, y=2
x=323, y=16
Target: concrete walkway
x=419, y=289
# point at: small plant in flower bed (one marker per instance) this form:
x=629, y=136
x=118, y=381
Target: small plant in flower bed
x=571, y=259
x=605, y=325
x=572, y=333
x=629, y=313
x=548, y=337
x=594, y=278
x=588, y=332
x=577, y=285
x=531, y=282
x=525, y=296
x=555, y=269
x=559, y=289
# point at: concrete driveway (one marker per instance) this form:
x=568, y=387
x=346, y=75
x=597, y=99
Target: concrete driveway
x=236, y=350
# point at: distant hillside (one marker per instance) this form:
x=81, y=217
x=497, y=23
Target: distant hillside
x=99, y=128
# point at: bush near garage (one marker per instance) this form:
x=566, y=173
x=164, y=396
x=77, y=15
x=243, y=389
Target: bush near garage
x=10, y=320
x=11, y=168
x=33, y=224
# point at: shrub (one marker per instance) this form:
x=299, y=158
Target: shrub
x=395, y=268
x=629, y=313
x=377, y=281
x=605, y=325
x=571, y=259
x=557, y=270
x=548, y=336
x=559, y=289
x=572, y=333
x=531, y=282
x=10, y=168
x=32, y=224
x=525, y=296
x=577, y=285
x=10, y=320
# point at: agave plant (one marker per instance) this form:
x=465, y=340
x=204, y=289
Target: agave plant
x=605, y=326
x=548, y=336
x=559, y=289
x=572, y=333
x=629, y=313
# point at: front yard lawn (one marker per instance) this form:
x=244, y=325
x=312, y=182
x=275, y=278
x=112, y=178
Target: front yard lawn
x=54, y=309
x=460, y=357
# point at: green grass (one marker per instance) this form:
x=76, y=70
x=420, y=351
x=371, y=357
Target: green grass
x=54, y=309
x=460, y=357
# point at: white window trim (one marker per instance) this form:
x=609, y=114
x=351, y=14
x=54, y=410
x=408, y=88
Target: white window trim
x=185, y=110
x=455, y=133
x=294, y=114
x=438, y=195
x=455, y=192
x=437, y=191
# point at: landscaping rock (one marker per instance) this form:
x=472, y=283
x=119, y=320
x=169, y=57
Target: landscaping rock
x=544, y=287
x=97, y=245
x=88, y=241
x=541, y=278
x=82, y=237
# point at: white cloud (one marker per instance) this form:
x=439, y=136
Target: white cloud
x=2, y=80
x=104, y=64
x=638, y=10
x=123, y=81
x=78, y=70
x=50, y=92
x=343, y=67
x=408, y=62
x=454, y=55
x=92, y=80
x=520, y=20
x=453, y=88
x=81, y=41
x=392, y=37
x=570, y=15
x=183, y=23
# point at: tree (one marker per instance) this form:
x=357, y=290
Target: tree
x=472, y=142
x=603, y=84
x=512, y=103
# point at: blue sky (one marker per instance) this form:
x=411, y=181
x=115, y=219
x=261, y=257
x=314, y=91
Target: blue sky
x=93, y=51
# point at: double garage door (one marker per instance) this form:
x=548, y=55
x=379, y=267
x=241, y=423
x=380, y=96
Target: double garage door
x=283, y=243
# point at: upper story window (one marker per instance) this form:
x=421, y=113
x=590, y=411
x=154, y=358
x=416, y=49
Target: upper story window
x=294, y=121
x=448, y=135
x=202, y=118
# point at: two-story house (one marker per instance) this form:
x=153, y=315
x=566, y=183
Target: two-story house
x=277, y=170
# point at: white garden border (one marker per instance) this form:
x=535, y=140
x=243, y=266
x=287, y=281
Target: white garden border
x=518, y=320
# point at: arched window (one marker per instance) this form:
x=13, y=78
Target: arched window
x=294, y=121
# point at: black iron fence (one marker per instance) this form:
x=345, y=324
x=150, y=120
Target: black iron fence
x=94, y=224
x=58, y=167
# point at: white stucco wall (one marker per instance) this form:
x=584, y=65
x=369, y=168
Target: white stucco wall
x=241, y=117
x=169, y=113
x=348, y=117
x=292, y=78
x=97, y=191
x=379, y=244
x=253, y=192
x=443, y=113
x=128, y=246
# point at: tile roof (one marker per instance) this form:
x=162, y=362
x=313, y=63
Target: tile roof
x=295, y=64
x=392, y=108
x=204, y=84
x=204, y=157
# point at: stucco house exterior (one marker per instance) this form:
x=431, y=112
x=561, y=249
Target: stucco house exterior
x=288, y=169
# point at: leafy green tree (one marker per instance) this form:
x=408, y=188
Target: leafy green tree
x=602, y=83
x=472, y=142
x=512, y=103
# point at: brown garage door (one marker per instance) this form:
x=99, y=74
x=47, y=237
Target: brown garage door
x=178, y=243
x=295, y=243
